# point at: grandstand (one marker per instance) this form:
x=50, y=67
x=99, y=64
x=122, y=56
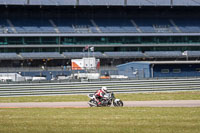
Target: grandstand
x=51, y=32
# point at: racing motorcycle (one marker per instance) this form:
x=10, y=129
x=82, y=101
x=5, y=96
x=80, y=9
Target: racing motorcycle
x=107, y=101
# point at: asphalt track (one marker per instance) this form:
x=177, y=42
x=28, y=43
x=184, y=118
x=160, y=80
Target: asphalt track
x=168, y=103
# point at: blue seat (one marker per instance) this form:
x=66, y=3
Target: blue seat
x=151, y=25
x=115, y=25
x=105, y=25
x=32, y=26
x=188, y=25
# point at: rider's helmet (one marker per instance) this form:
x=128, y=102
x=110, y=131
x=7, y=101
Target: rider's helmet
x=104, y=89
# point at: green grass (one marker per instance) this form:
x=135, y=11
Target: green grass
x=189, y=95
x=63, y=98
x=185, y=95
x=100, y=120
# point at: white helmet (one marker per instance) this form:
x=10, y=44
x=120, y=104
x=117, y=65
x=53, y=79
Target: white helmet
x=104, y=89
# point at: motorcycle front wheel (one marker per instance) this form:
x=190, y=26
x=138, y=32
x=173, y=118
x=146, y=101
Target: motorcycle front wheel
x=92, y=101
x=118, y=103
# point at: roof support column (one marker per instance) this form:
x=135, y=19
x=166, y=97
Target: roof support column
x=125, y=2
x=152, y=65
x=77, y=2
x=171, y=3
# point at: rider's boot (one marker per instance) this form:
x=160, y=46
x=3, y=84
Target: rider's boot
x=99, y=104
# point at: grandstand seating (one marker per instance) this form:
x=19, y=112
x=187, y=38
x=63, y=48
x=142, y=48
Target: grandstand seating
x=155, y=25
x=108, y=25
x=64, y=25
x=74, y=26
x=120, y=30
x=4, y=27
x=41, y=55
x=188, y=25
x=32, y=26
x=115, y=25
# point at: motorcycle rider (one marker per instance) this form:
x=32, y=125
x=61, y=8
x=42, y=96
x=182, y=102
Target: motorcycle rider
x=99, y=94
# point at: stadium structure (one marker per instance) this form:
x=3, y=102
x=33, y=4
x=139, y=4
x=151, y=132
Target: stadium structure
x=52, y=32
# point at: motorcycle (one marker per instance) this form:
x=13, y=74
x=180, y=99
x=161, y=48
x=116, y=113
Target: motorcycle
x=107, y=101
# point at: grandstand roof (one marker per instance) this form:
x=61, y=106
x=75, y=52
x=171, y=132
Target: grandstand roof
x=41, y=55
x=128, y=54
x=9, y=56
x=102, y=2
x=71, y=55
x=97, y=34
x=164, y=54
x=124, y=54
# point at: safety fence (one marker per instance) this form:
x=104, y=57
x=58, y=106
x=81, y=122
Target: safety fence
x=123, y=86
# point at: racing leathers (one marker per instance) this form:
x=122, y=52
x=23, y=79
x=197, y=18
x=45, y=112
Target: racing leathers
x=99, y=94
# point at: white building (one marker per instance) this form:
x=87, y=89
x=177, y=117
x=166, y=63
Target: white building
x=85, y=63
x=5, y=77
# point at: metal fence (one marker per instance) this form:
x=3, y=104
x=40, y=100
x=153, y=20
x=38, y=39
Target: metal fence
x=123, y=86
x=32, y=69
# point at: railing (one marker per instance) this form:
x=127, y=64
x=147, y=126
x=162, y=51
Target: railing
x=32, y=69
x=124, y=86
x=29, y=69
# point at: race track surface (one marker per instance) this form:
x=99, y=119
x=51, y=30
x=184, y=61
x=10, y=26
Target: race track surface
x=168, y=103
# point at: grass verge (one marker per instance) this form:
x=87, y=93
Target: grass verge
x=189, y=95
x=100, y=120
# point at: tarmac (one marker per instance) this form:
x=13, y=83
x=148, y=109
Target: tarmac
x=161, y=103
